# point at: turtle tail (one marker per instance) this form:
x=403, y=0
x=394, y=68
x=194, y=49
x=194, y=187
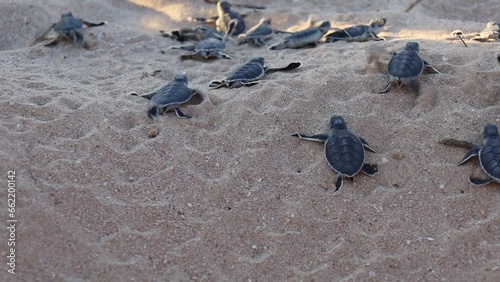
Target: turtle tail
x=153, y=111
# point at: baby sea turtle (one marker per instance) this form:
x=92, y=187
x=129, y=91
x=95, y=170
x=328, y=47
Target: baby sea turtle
x=344, y=151
x=249, y=73
x=68, y=27
x=492, y=31
x=306, y=37
x=406, y=66
x=489, y=156
x=358, y=33
x=170, y=96
x=211, y=47
x=226, y=16
x=194, y=34
x=259, y=33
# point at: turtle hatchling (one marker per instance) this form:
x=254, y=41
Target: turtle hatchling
x=306, y=37
x=406, y=66
x=259, y=33
x=249, y=74
x=358, y=33
x=194, y=34
x=492, y=31
x=489, y=156
x=68, y=27
x=210, y=47
x=226, y=16
x=344, y=151
x=170, y=96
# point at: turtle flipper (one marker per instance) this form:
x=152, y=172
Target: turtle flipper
x=214, y=84
x=317, y=137
x=221, y=55
x=367, y=146
x=471, y=153
x=278, y=46
x=89, y=24
x=188, y=47
x=376, y=38
x=42, y=36
x=147, y=96
x=78, y=37
x=203, y=20
x=259, y=41
x=387, y=88
x=339, y=181
x=369, y=169
x=291, y=66
x=480, y=182
x=430, y=69
x=180, y=114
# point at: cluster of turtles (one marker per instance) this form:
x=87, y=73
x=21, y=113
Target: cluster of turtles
x=344, y=151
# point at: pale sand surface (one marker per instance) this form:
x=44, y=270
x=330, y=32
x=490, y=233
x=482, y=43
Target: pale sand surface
x=229, y=195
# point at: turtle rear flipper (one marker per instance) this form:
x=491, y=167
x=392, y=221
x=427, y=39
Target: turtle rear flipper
x=78, y=37
x=387, y=88
x=291, y=66
x=479, y=181
x=471, y=153
x=339, y=181
x=188, y=47
x=317, y=137
x=278, y=46
x=430, y=69
x=377, y=38
x=369, y=169
x=180, y=114
x=153, y=112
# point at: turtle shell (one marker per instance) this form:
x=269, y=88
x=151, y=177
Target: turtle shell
x=174, y=93
x=210, y=44
x=405, y=66
x=68, y=23
x=344, y=152
x=253, y=70
x=489, y=156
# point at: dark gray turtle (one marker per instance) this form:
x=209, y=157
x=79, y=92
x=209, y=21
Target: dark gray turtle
x=211, y=47
x=68, y=27
x=344, y=151
x=170, y=96
x=259, y=33
x=249, y=73
x=306, y=37
x=406, y=66
x=358, y=33
x=195, y=34
x=489, y=156
x=492, y=31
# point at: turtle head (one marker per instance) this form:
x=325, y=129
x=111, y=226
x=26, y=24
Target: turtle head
x=377, y=22
x=337, y=122
x=265, y=21
x=223, y=6
x=490, y=131
x=412, y=46
x=67, y=14
x=181, y=77
x=258, y=60
x=325, y=26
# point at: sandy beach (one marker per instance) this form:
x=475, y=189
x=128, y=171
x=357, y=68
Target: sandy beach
x=103, y=193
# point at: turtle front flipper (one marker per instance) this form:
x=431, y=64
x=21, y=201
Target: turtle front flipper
x=42, y=36
x=278, y=46
x=89, y=24
x=317, y=137
x=376, y=38
x=291, y=66
x=430, y=69
x=214, y=84
x=339, y=181
x=367, y=146
x=221, y=55
x=78, y=37
x=180, y=114
x=369, y=169
x=471, y=153
x=480, y=182
x=387, y=88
